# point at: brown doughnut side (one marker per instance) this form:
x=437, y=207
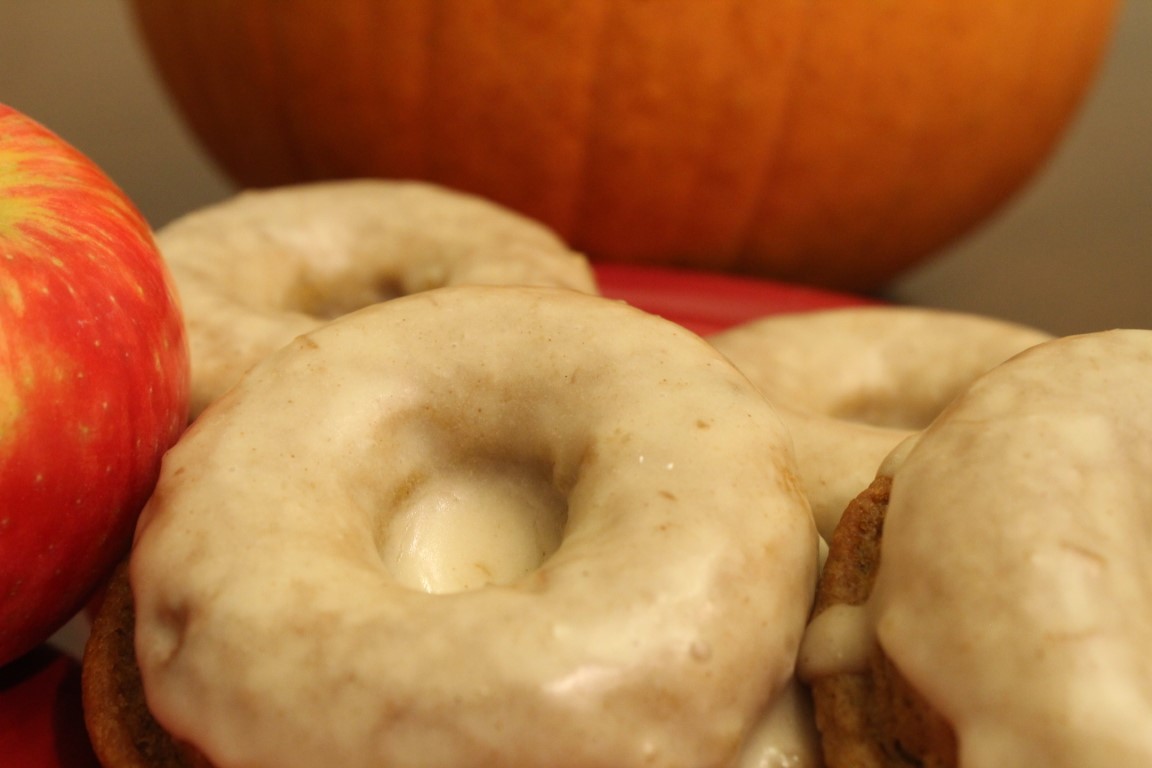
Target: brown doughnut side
x=122, y=730
x=872, y=718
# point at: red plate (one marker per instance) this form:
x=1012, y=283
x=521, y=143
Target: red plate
x=707, y=302
x=41, y=722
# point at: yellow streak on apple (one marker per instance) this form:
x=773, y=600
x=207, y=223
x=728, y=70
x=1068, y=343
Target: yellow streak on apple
x=13, y=296
x=19, y=203
x=14, y=208
x=11, y=408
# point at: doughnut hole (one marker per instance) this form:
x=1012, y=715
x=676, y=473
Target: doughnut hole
x=327, y=299
x=471, y=526
x=890, y=415
x=327, y=294
x=895, y=384
x=880, y=366
x=902, y=405
x=466, y=510
x=853, y=383
x=256, y=271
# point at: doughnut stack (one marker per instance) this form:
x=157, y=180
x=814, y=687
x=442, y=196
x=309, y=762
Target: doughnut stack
x=440, y=503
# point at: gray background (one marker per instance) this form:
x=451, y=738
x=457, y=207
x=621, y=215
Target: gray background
x=1071, y=253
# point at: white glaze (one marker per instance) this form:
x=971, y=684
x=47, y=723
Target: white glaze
x=261, y=268
x=839, y=639
x=664, y=623
x=1015, y=590
x=851, y=383
x=785, y=737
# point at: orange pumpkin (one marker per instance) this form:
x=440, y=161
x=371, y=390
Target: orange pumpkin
x=821, y=141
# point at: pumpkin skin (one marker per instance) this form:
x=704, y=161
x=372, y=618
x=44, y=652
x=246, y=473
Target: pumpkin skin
x=815, y=141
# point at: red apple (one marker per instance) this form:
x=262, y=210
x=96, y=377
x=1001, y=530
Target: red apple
x=41, y=716
x=93, y=377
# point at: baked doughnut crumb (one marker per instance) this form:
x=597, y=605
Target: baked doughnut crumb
x=871, y=718
x=121, y=728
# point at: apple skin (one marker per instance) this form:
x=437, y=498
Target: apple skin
x=93, y=378
x=41, y=715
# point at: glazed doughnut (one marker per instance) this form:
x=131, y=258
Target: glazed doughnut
x=1011, y=611
x=257, y=270
x=852, y=383
x=430, y=533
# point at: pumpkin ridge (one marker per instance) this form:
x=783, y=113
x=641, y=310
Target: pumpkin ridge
x=577, y=207
x=744, y=258
x=426, y=160
x=790, y=139
x=285, y=104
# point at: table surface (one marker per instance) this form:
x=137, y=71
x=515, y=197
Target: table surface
x=1071, y=253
